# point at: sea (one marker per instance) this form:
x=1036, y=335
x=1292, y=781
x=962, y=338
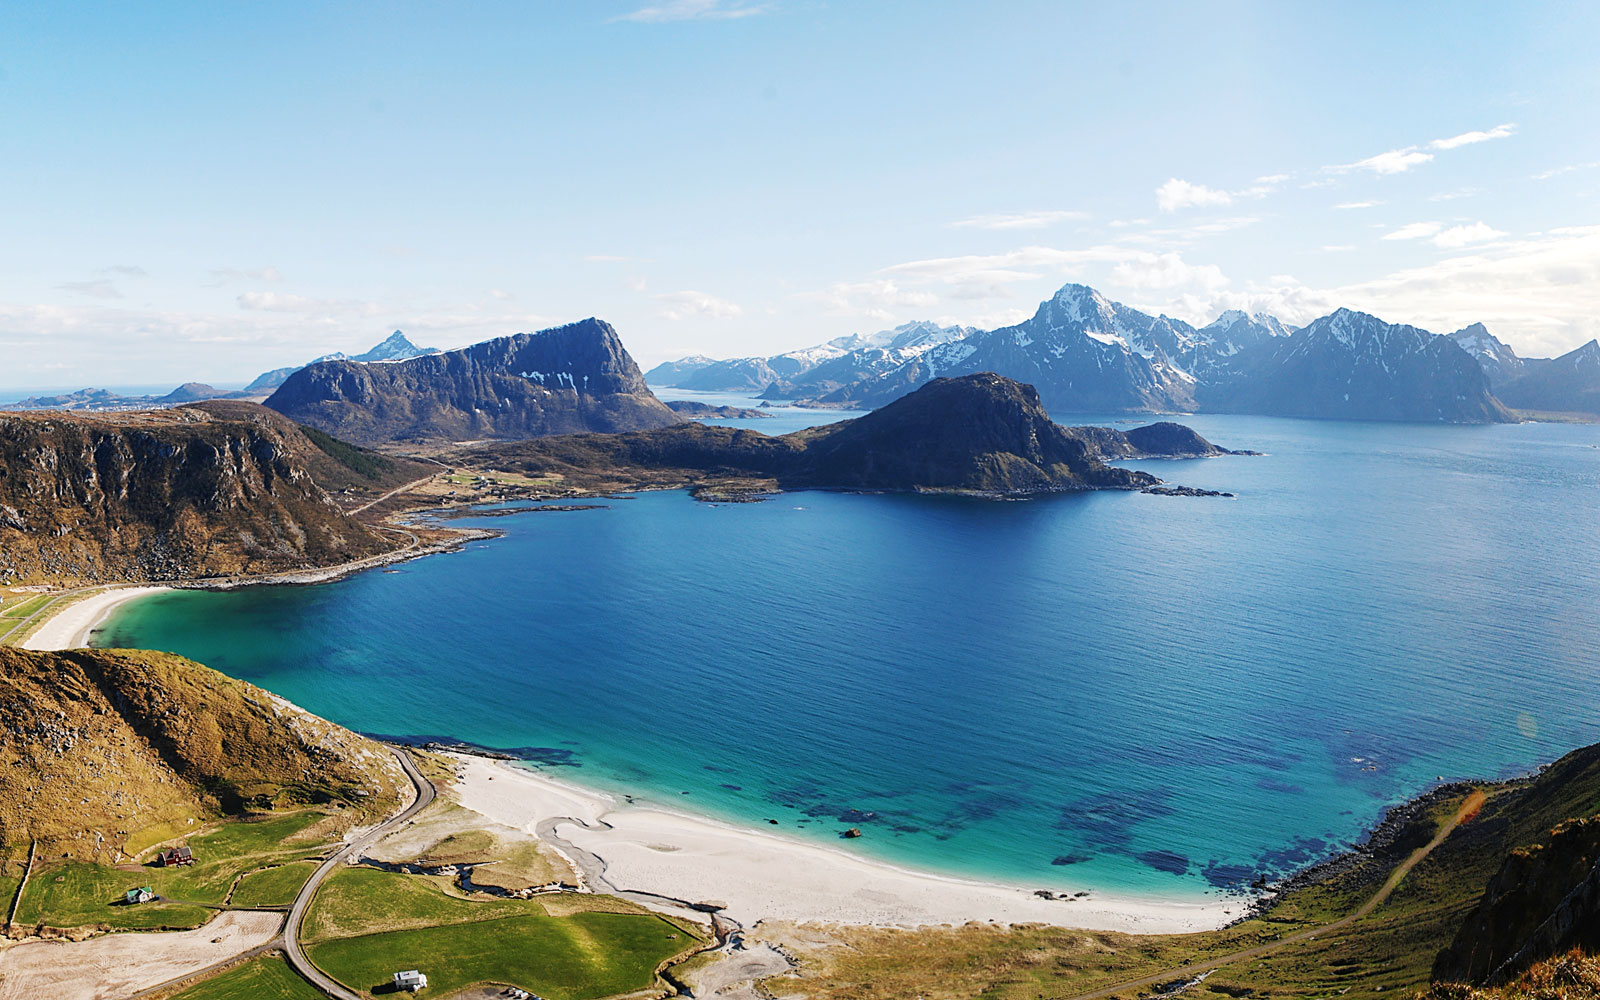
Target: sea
x=1149, y=695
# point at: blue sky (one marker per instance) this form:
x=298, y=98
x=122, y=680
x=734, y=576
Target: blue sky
x=206, y=191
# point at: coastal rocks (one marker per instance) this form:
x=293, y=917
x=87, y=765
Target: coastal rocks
x=1182, y=491
x=851, y=834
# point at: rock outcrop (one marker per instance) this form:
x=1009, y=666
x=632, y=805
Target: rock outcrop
x=567, y=380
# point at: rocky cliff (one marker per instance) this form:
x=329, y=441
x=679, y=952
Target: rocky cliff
x=567, y=380
x=166, y=495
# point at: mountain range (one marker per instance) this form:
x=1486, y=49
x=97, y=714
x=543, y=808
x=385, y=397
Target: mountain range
x=396, y=348
x=1086, y=353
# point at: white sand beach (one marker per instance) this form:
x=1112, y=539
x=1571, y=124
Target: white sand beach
x=69, y=628
x=766, y=876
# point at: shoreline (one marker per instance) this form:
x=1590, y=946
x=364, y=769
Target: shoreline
x=753, y=875
x=71, y=626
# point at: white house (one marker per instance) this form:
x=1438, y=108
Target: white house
x=412, y=980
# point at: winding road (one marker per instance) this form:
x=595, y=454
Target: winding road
x=289, y=941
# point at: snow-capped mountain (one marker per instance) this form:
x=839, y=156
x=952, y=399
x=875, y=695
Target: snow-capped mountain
x=793, y=367
x=1498, y=360
x=1353, y=366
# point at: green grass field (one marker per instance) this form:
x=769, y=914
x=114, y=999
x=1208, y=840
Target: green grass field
x=272, y=886
x=23, y=609
x=265, y=978
x=78, y=894
x=357, y=935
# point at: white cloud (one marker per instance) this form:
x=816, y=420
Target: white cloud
x=1339, y=248
x=1358, y=204
x=1460, y=236
x=1468, y=138
x=1395, y=161
x=687, y=304
x=872, y=298
x=695, y=10
x=1272, y=180
x=1177, y=194
x=1414, y=231
x=1461, y=192
x=224, y=275
x=1021, y=220
x=1166, y=270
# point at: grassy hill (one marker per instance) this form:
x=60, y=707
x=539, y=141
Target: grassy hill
x=103, y=753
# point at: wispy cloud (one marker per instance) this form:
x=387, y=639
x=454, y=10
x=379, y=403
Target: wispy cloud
x=1545, y=175
x=226, y=275
x=1346, y=206
x=1414, y=231
x=1177, y=194
x=1395, y=161
x=1021, y=220
x=689, y=304
x=100, y=288
x=695, y=10
x=872, y=299
x=284, y=302
x=1462, y=192
x=1398, y=161
x=1468, y=138
x=123, y=271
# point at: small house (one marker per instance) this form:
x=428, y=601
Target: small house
x=143, y=894
x=175, y=856
x=412, y=980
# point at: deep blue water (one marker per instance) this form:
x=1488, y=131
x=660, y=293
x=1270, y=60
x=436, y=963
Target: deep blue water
x=1171, y=693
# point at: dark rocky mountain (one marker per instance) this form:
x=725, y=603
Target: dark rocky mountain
x=166, y=495
x=1568, y=384
x=1497, y=359
x=396, y=347
x=567, y=380
x=979, y=433
x=1354, y=366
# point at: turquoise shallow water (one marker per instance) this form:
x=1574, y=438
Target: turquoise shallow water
x=1133, y=693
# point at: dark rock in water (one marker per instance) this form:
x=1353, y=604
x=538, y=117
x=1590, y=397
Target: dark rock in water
x=773, y=822
x=1165, y=861
x=567, y=380
x=732, y=788
x=857, y=816
x=852, y=833
x=1229, y=876
x=1182, y=491
x=1069, y=859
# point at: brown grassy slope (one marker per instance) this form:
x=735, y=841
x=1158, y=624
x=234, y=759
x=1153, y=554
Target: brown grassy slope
x=209, y=490
x=97, y=744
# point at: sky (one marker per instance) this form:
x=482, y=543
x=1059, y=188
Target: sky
x=206, y=191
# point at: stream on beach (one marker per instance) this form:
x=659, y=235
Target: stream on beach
x=1142, y=694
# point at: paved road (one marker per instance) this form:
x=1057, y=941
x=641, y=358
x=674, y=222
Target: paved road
x=1468, y=809
x=297, y=912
